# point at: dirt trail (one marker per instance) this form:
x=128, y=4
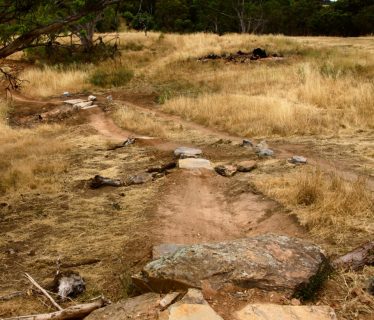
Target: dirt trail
x=282, y=150
x=195, y=208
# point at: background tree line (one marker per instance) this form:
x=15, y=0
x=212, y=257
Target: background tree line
x=290, y=17
x=26, y=24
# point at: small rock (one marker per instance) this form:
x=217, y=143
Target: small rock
x=10, y=251
x=192, y=307
x=262, y=145
x=91, y=98
x=192, y=164
x=69, y=284
x=129, y=141
x=90, y=107
x=298, y=160
x=265, y=153
x=185, y=152
x=32, y=253
x=66, y=94
x=109, y=98
x=226, y=170
x=139, y=179
x=279, y=312
x=169, y=299
x=73, y=101
x=247, y=143
x=246, y=166
x=83, y=105
x=295, y=302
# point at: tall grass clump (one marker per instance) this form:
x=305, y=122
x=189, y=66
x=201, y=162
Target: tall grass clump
x=111, y=77
x=30, y=159
x=332, y=208
x=138, y=122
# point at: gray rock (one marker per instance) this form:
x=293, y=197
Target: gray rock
x=169, y=299
x=69, y=284
x=226, y=170
x=279, y=312
x=192, y=163
x=298, y=160
x=268, y=262
x=66, y=94
x=91, y=98
x=73, y=101
x=139, y=179
x=144, y=307
x=265, y=153
x=185, y=152
x=165, y=249
x=83, y=105
x=246, y=166
x=247, y=143
x=90, y=107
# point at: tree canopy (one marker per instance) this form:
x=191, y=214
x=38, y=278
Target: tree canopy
x=28, y=23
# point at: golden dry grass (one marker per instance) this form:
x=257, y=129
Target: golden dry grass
x=139, y=122
x=30, y=159
x=332, y=208
x=50, y=81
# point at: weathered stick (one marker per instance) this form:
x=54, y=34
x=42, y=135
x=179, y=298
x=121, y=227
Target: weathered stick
x=357, y=258
x=43, y=291
x=76, y=312
x=11, y=295
x=99, y=181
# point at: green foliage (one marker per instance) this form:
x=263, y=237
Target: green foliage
x=113, y=77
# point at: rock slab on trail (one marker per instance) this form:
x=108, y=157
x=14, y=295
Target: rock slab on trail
x=186, y=152
x=191, y=164
x=279, y=312
x=193, y=306
x=268, y=262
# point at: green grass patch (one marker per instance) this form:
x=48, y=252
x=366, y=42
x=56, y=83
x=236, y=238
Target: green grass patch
x=115, y=77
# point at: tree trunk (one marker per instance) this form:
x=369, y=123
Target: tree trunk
x=24, y=41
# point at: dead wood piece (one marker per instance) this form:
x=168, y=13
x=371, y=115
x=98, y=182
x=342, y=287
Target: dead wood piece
x=357, y=258
x=75, y=312
x=126, y=143
x=11, y=295
x=163, y=168
x=99, y=181
x=43, y=291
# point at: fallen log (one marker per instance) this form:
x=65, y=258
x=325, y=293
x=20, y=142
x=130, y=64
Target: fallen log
x=99, y=181
x=357, y=258
x=75, y=312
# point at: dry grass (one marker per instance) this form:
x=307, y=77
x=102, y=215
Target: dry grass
x=49, y=81
x=333, y=209
x=138, y=122
x=30, y=159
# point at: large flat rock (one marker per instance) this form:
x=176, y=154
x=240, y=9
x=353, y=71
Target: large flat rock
x=269, y=262
x=144, y=307
x=192, y=164
x=278, y=312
